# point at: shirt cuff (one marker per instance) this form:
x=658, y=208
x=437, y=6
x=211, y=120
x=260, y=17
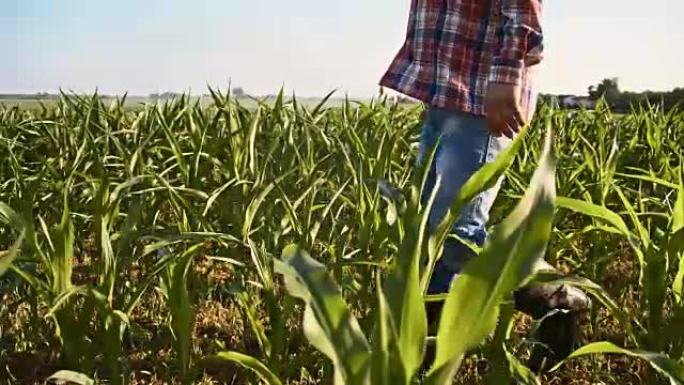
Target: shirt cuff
x=506, y=72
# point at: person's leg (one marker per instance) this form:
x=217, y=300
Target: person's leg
x=465, y=146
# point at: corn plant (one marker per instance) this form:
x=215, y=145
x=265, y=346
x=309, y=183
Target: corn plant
x=656, y=249
x=47, y=258
x=73, y=307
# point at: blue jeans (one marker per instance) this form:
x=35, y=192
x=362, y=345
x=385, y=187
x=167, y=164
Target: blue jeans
x=464, y=146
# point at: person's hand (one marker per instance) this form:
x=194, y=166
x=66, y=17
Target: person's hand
x=502, y=109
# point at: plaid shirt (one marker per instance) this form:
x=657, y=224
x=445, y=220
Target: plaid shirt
x=454, y=48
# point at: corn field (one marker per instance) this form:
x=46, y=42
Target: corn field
x=186, y=243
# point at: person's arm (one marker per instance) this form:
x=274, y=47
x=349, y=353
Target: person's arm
x=521, y=46
x=522, y=40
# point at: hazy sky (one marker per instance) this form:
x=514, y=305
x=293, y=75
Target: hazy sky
x=312, y=46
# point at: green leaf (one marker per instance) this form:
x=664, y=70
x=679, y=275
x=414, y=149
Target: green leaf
x=595, y=211
x=500, y=367
x=678, y=284
x=173, y=143
x=33, y=280
x=322, y=103
x=253, y=130
x=613, y=220
x=7, y=257
x=506, y=262
x=486, y=177
x=101, y=221
x=217, y=192
x=521, y=373
x=63, y=298
x=644, y=236
x=317, y=225
x=328, y=323
x=666, y=366
x=161, y=265
x=384, y=355
x=258, y=328
x=678, y=210
x=70, y=377
x=253, y=207
x=64, y=252
x=648, y=178
x=180, y=306
x=655, y=292
x=676, y=248
x=403, y=288
x=10, y=217
x=252, y=364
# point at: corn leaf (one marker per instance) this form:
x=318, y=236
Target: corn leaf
x=70, y=377
x=678, y=210
x=386, y=365
x=64, y=252
x=595, y=211
x=676, y=244
x=642, y=232
x=180, y=306
x=252, y=364
x=648, y=178
x=328, y=323
x=403, y=288
x=666, y=366
x=253, y=207
x=7, y=257
x=500, y=365
x=521, y=373
x=10, y=217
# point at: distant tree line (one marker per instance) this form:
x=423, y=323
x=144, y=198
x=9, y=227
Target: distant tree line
x=36, y=96
x=164, y=95
x=608, y=89
x=619, y=101
x=622, y=101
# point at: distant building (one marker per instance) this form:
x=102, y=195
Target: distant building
x=574, y=101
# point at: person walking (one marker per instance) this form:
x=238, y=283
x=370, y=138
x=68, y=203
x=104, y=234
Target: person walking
x=472, y=63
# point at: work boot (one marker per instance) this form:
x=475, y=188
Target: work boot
x=558, y=306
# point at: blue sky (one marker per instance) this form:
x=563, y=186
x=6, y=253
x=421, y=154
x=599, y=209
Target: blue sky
x=311, y=46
